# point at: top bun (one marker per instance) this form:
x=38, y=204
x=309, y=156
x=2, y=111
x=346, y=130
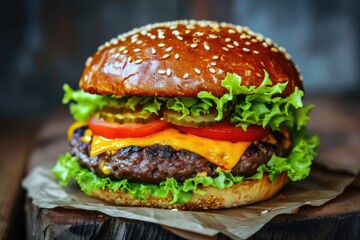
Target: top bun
x=182, y=58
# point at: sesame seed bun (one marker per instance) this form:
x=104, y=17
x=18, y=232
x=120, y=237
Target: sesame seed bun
x=182, y=58
x=249, y=191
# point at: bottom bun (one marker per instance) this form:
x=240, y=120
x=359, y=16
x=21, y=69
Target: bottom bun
x=249, y=191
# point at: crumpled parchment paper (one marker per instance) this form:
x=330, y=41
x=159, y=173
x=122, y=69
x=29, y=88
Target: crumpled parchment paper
x=238, y=223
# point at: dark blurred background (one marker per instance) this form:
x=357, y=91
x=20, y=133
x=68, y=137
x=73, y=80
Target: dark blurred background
x=44, y=44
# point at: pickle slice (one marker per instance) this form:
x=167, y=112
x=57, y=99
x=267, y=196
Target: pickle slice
x=205, y=120
x=121, y=114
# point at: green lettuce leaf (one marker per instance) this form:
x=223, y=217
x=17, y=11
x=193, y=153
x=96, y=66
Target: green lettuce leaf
x=247, y=105
x=258, y=105
x=83, y=104
x=297, y=165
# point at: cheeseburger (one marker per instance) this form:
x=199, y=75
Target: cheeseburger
x=189, y=115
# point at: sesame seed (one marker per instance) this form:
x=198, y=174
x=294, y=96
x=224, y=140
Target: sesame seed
x=268, y=41
x=247, y=43
x=256, y=52
x=169, y=49
x=198, y=34
x=121, y=38
x=177, y=56
x=122, y=48
x=165, y=56
x=243, y=36
x=153, y=37
x=86, y=78
x=227, y=39
x=186, y=75
x=212, y=70
x=160, y=34
x=220, y=71
x=260, y=37
x=138, y=61
x=281, y=49
x=136, y=50
x=213, y=64
x=246, y=49
x=139, y=42
x=231, y=31
x=215, y=57
x=116, y=55
x=112, y=50
x=213, y=36
x=88, y=61
x=161, y=71
x=274, y=49
x=187, y=31
x=265, y=44
x=161, y=44
x=180, y=38
x=225, y=49
x=287, y=56
x=236, y=43
x=134, y=36
x=206, y=46
x=107, y=44
x=129, y=59
x=125, y=51
x=264, y=212
x=216, y=28
x=176, y=32
x=254, y=40
x=197, y=70
x=153, y=51
x=168, y=72
x=114, y=41
x=194, y=45
x=230, y=46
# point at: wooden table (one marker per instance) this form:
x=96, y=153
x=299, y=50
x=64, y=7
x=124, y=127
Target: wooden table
x=336, y=119
x=17, y=139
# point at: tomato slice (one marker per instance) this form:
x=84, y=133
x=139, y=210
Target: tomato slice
x=227, y=132
x=114, y=130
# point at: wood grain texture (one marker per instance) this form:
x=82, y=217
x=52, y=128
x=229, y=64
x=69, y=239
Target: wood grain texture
x=16, y=141
x=310, y=223
x=61, y=223
x=337, y=219
x=338, y=124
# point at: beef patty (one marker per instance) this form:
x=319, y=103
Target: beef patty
x=154, y=164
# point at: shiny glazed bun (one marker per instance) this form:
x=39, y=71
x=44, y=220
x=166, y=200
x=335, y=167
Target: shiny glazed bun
x=182, y=58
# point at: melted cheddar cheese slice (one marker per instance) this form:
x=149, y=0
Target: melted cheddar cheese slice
x=224, y=154
x=73, y=127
